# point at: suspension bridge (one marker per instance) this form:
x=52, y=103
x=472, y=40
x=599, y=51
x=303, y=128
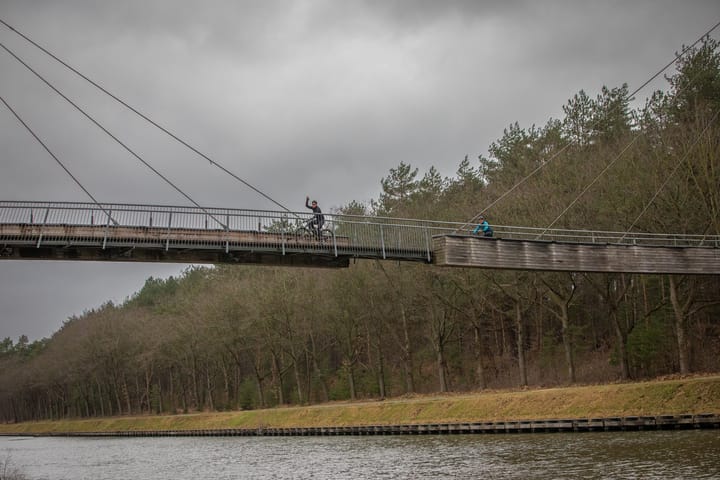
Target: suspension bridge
x=151, y=233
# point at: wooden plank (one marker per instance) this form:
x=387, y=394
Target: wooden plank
x=471, y=251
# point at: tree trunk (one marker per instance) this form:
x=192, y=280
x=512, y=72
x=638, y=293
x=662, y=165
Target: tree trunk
x=184, y=396
x=350, y=378
x=159, y=398
x=297, y=375
x=520, y=344
x=561, y=298
x=173, y=400
x=381, y=372
x=567, y=342
x=621, y=336
x=100, y=398
x=612, y=295
x=318, y=371
x=277, y=379
x=442, y=377
x=407, y=355
x=126, y=395
x=298, y=381
x=404, y=343
x=259, y=386
x=374, y=343
x=209, y=402
x=118, y=402
x=224, y=369
x=195, y=387
x=479, y=369
x=680, y=324
x=257, y=366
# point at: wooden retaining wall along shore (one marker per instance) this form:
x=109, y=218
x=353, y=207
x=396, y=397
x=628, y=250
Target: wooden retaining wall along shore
x=658, y=422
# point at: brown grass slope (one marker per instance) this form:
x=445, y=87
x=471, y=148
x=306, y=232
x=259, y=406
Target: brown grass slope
x=659, y=397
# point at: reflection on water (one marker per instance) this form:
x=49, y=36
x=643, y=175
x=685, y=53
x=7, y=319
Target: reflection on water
x=645, y=454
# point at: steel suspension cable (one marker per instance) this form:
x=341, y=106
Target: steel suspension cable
x=672, y=174
x=143, y=116
x=27, y=127
x=556, y=154
x=587, y=187
x=597, y=177
x=117, y=140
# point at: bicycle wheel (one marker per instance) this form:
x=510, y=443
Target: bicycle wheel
x=304, y=234
x=326, y=236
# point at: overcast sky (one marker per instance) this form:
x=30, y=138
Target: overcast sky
x=296, y=97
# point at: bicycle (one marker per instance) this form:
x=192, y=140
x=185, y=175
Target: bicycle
x=306, y=233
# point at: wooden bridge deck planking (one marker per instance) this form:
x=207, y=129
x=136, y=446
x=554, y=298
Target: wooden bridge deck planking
x=472, y=251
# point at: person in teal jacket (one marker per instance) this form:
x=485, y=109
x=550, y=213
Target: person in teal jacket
x=485, y=227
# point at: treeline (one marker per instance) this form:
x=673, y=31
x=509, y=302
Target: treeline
x=234, y=337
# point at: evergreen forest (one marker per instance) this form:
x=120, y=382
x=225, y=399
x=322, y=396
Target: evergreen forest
x=247, y=337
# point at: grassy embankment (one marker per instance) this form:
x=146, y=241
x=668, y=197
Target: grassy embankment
x=658, y=397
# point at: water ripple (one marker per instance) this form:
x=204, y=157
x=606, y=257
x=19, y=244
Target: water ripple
x=598, y=455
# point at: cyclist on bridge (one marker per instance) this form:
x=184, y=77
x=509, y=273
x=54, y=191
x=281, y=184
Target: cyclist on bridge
x=484, y=226
x=316, y=223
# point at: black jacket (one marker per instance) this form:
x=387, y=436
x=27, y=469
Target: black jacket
x=319, y=217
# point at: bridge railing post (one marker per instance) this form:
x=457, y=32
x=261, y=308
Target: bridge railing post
x=107, y=229
x=334, y=239
x=382, y=241
x=427, y=244
x=227, y=233
x=47, y=212
x=167, y=238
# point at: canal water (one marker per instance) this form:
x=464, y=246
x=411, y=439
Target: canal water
x=691, y=454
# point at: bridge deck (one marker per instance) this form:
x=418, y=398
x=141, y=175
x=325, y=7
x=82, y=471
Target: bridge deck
x=470, y=251
x=151, y=233
x=185, y=245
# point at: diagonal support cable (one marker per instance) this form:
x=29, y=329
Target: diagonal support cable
x=27, y=127
x=556, y=154
x=143, y=116
x=117, y=140
x=672, y=174
x=587, y=187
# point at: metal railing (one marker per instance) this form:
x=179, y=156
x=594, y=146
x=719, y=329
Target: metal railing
x=606, y=237
x=155, y=226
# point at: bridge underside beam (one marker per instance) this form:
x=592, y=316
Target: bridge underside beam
x=141, y=254
x=471, y=251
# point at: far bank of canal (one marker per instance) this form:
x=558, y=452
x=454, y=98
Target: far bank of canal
x=658, y=404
